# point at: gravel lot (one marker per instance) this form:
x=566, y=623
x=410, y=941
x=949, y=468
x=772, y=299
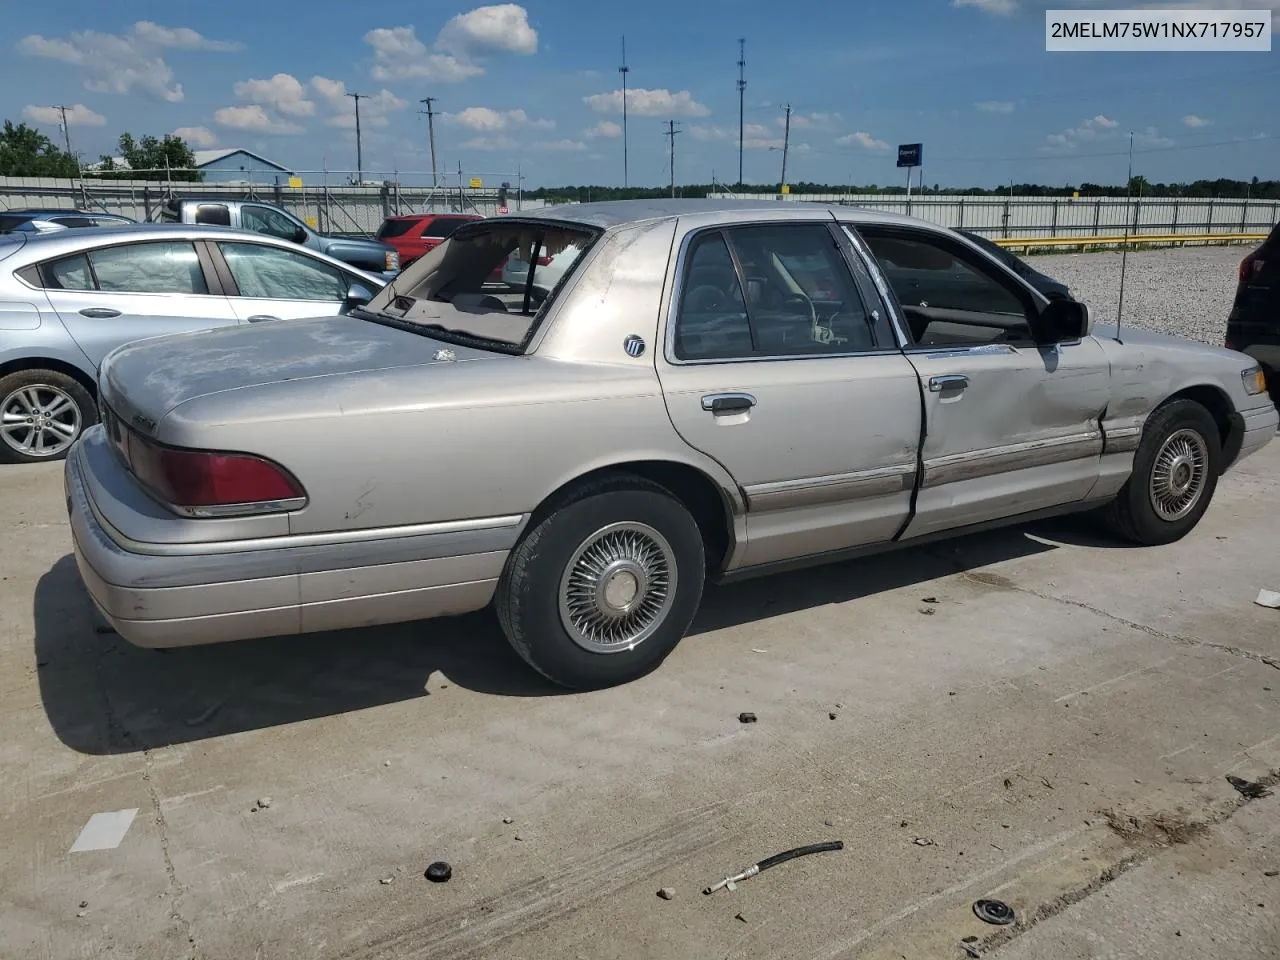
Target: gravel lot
x=1185, y=291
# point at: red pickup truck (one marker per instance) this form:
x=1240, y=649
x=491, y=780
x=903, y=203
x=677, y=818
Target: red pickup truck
x=414, y=234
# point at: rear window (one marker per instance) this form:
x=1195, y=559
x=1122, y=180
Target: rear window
x=471, y=287
x=9, y=221
x=394, y=228
x=443, y=226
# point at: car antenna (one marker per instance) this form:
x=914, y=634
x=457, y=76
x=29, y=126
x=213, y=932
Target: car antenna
x=1124, y=248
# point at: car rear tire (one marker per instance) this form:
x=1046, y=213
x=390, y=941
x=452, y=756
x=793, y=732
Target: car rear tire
x=42, y=412
x=604, y=585
x=1175, y=474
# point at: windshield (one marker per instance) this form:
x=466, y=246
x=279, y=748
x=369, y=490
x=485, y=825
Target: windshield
x=490, y=281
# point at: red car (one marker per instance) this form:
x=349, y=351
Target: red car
x=414, y=234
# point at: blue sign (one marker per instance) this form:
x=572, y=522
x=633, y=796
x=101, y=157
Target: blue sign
x=910, y=154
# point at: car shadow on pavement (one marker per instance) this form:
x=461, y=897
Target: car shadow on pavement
x=103, y=695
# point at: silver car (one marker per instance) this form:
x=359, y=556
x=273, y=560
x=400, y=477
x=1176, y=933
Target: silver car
x=713, y=390
x=70, y=296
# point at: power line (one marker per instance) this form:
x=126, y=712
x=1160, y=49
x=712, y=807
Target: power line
x=671, y=134
x=624, y=70
x=431, y=136
x=742, y=90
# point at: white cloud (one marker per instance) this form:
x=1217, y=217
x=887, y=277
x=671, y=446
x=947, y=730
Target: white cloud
x=398, y=54
x=255, y=119
x=283, y=92
x=128, y=62
x=755, y=130
x=459, y=48
x=605, y=129
x=1087, y=131
x=181, y=37
x=78, y=115
x=1191, y=120
x=811, y=121
x=762, y=143
x=560, y=145
x=994, y=106
x=1150, y=138
x=860, y=138
x=373, y=107
x=487, y=119
x=197, y=136
x=503, y=27
x=705, y=132
x=488, y=143
x=999, y=7
x=648, y=103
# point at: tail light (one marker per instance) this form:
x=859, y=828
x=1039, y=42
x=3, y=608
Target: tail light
x=208, y=483
x=544, y=261
x=1250, y=266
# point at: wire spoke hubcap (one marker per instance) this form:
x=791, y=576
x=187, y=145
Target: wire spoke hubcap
x=39, y=420
x=1178, y=474
x=618, y=588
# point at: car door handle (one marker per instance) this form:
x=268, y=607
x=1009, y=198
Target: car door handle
x=728, y=402
x=949, y=381
x=99, y=313
x=262, y=318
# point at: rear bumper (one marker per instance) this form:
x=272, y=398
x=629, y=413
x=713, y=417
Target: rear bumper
x=209, y=593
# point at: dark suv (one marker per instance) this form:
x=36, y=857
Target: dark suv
x=1253, y=326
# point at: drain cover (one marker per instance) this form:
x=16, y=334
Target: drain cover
x=993, y=911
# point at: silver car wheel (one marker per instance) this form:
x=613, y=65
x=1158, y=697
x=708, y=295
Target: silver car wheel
x=39, y=420
x=618, y=588
x=1178, y=474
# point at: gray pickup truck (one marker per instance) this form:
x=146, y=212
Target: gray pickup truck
x=373, y=256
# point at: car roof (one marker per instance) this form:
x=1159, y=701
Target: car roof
x=615, y=213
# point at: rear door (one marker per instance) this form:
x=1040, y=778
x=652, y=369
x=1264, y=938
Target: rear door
x=109, y=296
x=264, y=282
x=778, y=363
x=1011, y=427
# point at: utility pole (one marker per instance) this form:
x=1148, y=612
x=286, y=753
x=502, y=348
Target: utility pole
x=742, y=89
x=786, y=142
x=359, y=151
x=66, y=130
x=624, y=70
x=431, y=136
x=671, y=133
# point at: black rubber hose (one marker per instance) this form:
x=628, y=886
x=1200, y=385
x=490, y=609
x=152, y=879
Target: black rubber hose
x=786, y=855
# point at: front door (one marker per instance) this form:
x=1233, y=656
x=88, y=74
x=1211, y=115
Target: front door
x=778, y=364
x=112, y=295
x=1011, y=427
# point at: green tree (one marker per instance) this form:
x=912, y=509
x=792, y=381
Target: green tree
x=26, y=152
x=149, y=158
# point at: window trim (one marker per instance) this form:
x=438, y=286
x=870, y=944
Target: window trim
x=677, y=289
x=232, y=289
x=1000, y=274
x=212, y=286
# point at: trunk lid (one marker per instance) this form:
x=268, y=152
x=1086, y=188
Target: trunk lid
x=145, y=380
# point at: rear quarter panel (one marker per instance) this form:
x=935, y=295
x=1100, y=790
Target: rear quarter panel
x=451, y=441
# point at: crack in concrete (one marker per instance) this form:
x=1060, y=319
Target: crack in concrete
x=1122, y=866
x=1003, y=583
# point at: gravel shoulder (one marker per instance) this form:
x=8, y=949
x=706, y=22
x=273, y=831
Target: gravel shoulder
x=1183, y=291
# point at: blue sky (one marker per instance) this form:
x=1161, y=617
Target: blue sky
x=534, y=86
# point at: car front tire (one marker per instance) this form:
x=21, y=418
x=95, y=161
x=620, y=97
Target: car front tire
x=1175, y=474
x=604, y=585
x=42, y=412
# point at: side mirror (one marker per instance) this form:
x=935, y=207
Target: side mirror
x=300, y=235
x=1064, y=320
x=358, y=295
